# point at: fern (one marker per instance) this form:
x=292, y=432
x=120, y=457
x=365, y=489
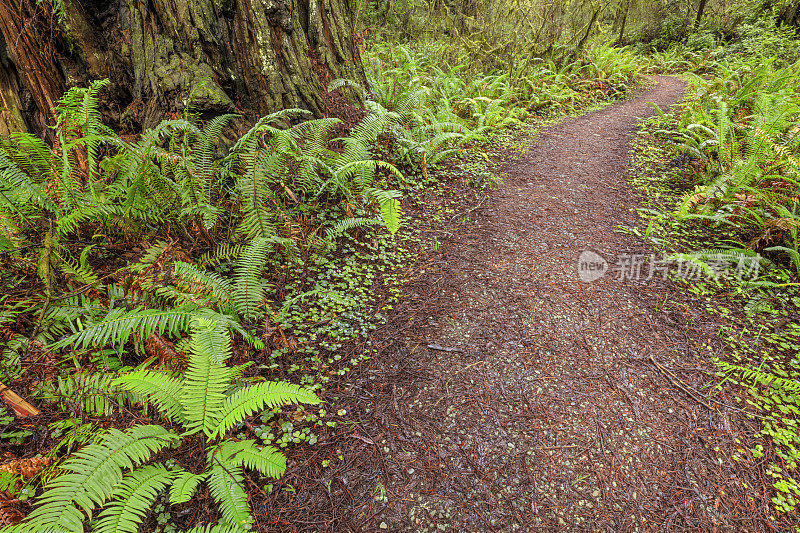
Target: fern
x=224, y=253
x=789, y=386
x=209, y=285
x=92, y=475
x=249, y=290
x=390, y=208
x=133, y=498
x=184, y=486
x=324, y=244
x=226, y=483
x=220, y=528
x=160, y=389
x=79, y=123
x=201, y=401
x=117, y=327
x=150, y=257
x=267, y=460
x=87, y=393
x=254, y=398
x=206, y=379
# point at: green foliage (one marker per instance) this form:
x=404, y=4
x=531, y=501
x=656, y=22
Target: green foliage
x=439, y=102
x=119, y=324
x=132, y=499
x=86, y=394
x=204, y=400
x=92, y=476
x=234, y=230
x=748, y=144
x=10, y=435
x=738, y=132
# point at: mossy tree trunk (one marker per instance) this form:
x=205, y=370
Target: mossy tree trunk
x=247, y=56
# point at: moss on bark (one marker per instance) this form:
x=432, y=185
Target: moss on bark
x=249, y=56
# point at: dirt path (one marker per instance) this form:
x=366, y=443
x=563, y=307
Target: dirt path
x=518, y=398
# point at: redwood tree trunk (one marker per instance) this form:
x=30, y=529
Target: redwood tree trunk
x=247, y=56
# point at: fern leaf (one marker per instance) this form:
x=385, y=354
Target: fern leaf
x=226, y=484
x=207, y=378
x=93, y=473
x=157, y=387
x=268, y=461
x=209, y=284
x=218, y=528
x=390, y=211
x=117, y=327
x=184, y=487
x=248, y=293
x=252, y=399
x=133, y=498
x=390, y=208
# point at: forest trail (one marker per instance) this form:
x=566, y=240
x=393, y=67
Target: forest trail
x=516, y=397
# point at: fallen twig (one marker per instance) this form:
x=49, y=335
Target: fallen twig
x=678, y=383
x=441, y=348
x=20, y=406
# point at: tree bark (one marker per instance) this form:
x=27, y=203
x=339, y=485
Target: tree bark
x=700, y=10
x=248, y=56
x=624, y=19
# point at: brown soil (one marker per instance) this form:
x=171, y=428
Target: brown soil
x=512, y=396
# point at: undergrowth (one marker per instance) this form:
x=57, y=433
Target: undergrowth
x=720, y=174
x=168, y=296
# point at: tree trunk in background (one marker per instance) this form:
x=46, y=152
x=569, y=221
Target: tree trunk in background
x=624, y=10
x=700, y=10
x=582, y=42
x=248, y=56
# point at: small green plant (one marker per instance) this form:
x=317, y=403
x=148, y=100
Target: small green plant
x=14, y=436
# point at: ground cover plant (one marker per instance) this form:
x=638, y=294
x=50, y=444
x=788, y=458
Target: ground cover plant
x=250, y=255
x=731, y=191
x=186, y=277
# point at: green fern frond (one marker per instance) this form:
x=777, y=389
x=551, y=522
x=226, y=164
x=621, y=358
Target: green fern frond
x=92, y=475
x=132, y=499
x=389, y=202
x=754, y=375
x=91, y=393
x=79, y=270
x=253, y=398
x=267, y=461
x=249, y=288
x=158, y=387
x=218, y=528
x=184, y=486
x=33, y=156
x=226, y=483
x=210, y=285
x=117, y=327
x=20, y=187
x=350, y=84
x=206, y=379
x=150, y=256
x=79, y=125
x=224, y=253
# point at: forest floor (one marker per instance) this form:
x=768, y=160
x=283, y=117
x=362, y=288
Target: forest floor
x=510, y=395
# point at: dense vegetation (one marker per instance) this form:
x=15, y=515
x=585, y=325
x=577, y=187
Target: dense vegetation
x=737, y=138
x=175, y=301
